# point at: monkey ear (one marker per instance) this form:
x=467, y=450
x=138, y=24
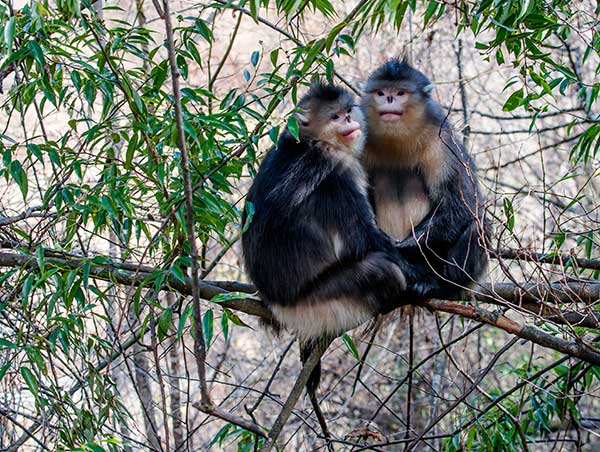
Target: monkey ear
x=428, y=89
x=302, y=116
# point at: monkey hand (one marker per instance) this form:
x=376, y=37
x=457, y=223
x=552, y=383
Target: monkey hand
x=409, y=242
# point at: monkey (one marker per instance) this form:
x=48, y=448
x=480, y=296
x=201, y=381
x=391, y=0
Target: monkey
x=423, y=186
x=312, y=247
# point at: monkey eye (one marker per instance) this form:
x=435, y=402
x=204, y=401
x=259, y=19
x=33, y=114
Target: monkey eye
x=335, y=116
x=349, y=110
x=380, y=93
x=401, y=92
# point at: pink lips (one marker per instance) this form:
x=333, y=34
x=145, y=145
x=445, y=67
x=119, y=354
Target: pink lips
x=390, y=115
x=351, y=134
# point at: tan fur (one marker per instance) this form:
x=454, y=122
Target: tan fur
x=312, y=320
x=408, y=143
x=399, y=218
x=405, y=144
x=352, y=162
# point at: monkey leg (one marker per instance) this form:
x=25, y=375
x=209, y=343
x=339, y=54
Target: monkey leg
x=343, y=297
x=289, y=404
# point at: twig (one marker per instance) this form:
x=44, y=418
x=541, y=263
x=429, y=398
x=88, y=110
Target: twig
x=299, y=386
x=465, y=375
x=453, y=405
x=29, y=213
x=200, y=346
x=229, y=417
x=265, y=391
x=214, y=76
x=205, y=404
x=463, y=94
x=421, y=363
x=363, y=358
x=554, y=259
x=409, y=387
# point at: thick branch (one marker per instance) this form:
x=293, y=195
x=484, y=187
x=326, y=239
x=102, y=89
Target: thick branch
x=112, y=272
x=486, y=293
x=573, y=348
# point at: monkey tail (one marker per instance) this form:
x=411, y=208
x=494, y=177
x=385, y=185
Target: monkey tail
x=306, y=349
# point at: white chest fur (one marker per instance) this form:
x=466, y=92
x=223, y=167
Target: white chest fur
x=400, y=203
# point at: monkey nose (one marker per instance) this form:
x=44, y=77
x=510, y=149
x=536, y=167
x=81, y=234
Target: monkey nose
x=390, y=99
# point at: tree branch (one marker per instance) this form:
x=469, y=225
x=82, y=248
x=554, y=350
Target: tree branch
x=505, y=294
x=578, y=348
x=561, y=259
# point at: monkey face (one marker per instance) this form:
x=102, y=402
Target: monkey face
x=391, y=103
x=393, y=109
x=339, y=124
x=346, y=128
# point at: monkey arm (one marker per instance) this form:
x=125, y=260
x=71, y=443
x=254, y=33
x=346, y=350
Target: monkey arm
x=442, y=254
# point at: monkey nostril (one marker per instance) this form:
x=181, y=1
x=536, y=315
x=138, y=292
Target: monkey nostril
x=390, y=99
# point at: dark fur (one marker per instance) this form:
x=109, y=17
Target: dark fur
x=304, y=194
x=450, y=252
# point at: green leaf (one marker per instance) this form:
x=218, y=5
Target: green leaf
x=3, y=370
x=509, y=213
x=273, y=56
x=329, y=69
x=203, y=30
x=16, y=171
x=37, y=53
x=333, y=35
x=514, y=100
x=187, y=313
x=225, y=326
x=294, y=127
x=30, y=380
x=349, y=342
x=39, y=255
x=254, y=6
x=274, y=134
x=5, y=343
x=164, y=323
x=525, y=4
x=430, y=11
x=235, y=319
x=249, y=215
x=226, y=296
x=207, y=327
x=9, y=34
x=177, y=272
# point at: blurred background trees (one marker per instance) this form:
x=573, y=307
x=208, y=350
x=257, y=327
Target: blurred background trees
x=99, y=349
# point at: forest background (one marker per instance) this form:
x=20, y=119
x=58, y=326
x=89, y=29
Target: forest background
x=109, y=164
